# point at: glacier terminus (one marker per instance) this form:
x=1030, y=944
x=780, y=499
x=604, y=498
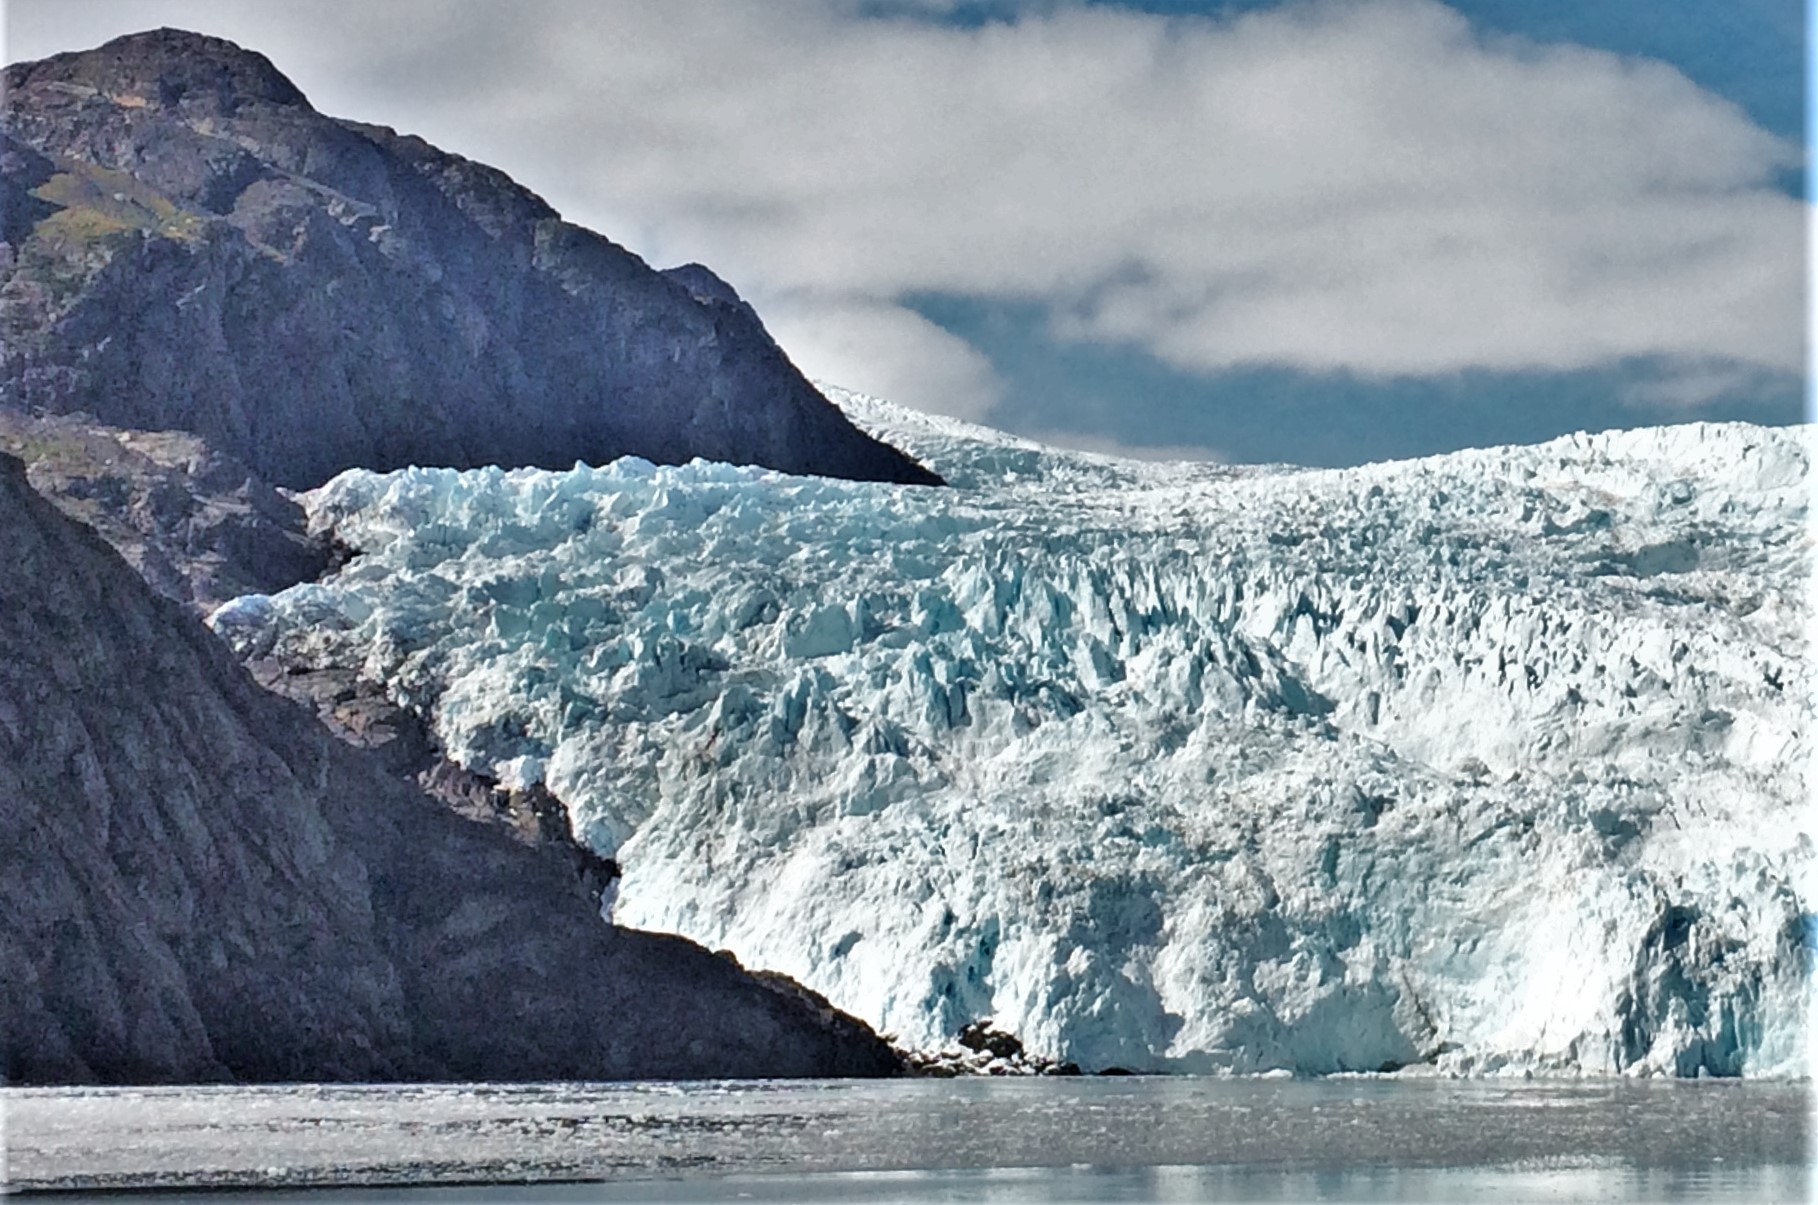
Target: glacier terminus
x=1488, y=763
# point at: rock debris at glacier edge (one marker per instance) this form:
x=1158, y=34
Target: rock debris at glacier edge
x=1489, y=762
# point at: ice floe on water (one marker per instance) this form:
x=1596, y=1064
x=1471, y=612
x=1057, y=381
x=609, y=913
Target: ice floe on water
x=1492, y=761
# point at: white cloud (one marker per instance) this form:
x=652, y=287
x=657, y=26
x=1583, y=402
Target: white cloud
x=1129, y=451
x=885, y=351
x=1688, y=387
x=1365, y=187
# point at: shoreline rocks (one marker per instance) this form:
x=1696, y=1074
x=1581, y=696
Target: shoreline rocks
x=980, y=1048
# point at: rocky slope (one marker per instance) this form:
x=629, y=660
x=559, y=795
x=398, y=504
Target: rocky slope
x=201, y=884
x=190, y=246
x=1491, y=762
x=199, y=527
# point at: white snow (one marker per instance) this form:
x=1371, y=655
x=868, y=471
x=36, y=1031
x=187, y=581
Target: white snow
x=1489, y=762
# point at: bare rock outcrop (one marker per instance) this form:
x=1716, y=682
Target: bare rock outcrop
x=199, y=527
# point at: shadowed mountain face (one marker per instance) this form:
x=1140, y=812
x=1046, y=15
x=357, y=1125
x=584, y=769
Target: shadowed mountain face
x=199, y=527
x=202, y=884
x=189, y=245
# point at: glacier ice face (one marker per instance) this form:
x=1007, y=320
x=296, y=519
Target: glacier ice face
x=1490, y=761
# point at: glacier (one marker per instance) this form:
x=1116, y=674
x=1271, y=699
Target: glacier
x=1493, y=762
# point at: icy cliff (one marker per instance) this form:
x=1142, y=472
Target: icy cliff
x=1491, y=761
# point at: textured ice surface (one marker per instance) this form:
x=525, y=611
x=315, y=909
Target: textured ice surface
x=1490, y=761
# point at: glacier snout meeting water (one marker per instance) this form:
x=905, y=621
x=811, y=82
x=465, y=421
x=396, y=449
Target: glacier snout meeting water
x=1494, y=761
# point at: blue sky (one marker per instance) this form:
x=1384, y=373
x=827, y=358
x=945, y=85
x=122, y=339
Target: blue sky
x=1751, y=52
x=1323, y=232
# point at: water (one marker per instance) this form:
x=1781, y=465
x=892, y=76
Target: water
x=1182, y=1139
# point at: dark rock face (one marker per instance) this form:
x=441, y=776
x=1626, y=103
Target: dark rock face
x=202, y=884
x=191, y=246
x=357, y=710
x=199, y=527
x=985, y=1037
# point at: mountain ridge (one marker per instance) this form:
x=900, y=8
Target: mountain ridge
x=192, y=246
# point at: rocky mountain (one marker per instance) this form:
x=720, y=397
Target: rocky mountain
x=202, y=884
x=199, y=527
x=189, y=245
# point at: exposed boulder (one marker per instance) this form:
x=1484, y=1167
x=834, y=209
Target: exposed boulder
x=980, y=1048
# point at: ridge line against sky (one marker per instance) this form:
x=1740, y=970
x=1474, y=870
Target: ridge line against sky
x=1326, y=231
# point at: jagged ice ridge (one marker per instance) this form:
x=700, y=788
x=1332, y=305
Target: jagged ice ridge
x=1489, y=762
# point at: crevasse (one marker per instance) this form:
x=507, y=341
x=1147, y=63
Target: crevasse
x=1494, y=761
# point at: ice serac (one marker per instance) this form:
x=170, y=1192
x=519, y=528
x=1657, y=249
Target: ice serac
x=190, y=246
x=201, y=884
x=1491, y=762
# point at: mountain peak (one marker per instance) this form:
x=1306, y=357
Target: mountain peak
x=211, y=215
x=167, y=68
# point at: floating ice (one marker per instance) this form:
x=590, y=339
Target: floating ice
x=1493, y=761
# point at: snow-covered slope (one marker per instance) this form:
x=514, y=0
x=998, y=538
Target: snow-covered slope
x=1495, y=760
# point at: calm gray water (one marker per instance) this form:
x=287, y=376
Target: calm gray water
x=1363, y=1139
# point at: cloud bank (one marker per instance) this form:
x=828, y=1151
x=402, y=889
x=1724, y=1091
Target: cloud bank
x=1371, y=188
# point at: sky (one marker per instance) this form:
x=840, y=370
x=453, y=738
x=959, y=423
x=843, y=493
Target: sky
x=1318, y=232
